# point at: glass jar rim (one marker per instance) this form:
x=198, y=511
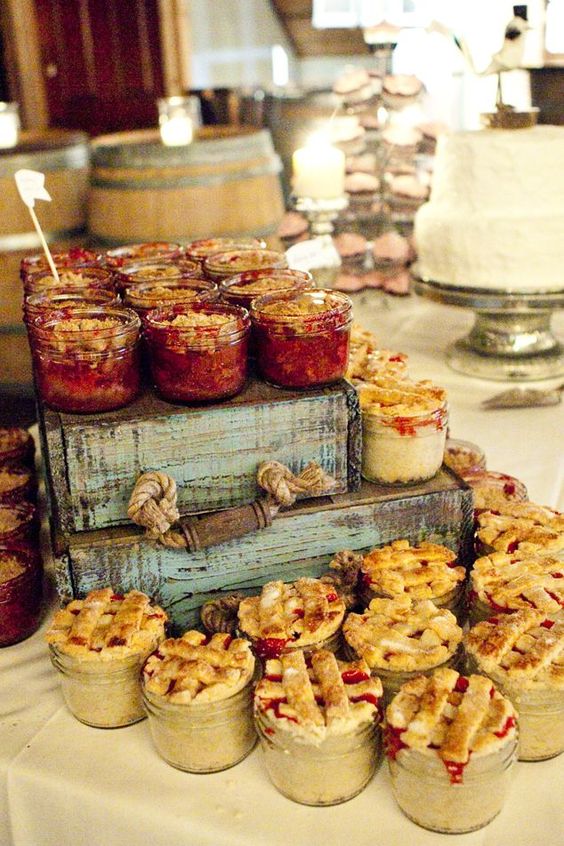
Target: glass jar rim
x=47, y=295
x=127, y=273
x=42, y=325
x=74, y=257
x=240, y=281
x=341, y=308
x=387, y=421
x=91, y=272
x=216, y=263
x=159, y=320
x=198, y=251
x=160, y=702
x=140, y=252
x=136, y=292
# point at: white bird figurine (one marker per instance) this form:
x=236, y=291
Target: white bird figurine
x=511, y=54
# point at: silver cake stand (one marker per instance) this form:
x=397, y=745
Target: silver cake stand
x=511, y=338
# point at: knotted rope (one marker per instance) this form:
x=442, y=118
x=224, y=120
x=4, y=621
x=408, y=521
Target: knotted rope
x=153, y=501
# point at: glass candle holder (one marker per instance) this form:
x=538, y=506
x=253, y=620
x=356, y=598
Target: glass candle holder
x=54, y=299
x=17, y=447
x=70, y=278
x=179, y=118
x=86, y=360
x=20, y=595
x=198, y=352
x=9, y=125
x=243, y=288
x=302, y=337
x=74, y=257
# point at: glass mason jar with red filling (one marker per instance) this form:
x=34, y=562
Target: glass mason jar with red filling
x=17, y=447
x=19, y=525
x=243, y=288
x=144, y=297
x=71, y=278
x=198, y=352
x=20, y=595
x=156, y=272
x=86, y=360
x=302, y=337
x=54, y=299
x=199, y=250
x=137, y=253
x=219, y=266
x=17, y=484
x=75, y=257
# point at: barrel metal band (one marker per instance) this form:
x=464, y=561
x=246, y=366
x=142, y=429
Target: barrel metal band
x=69, y=158
x=272, y=168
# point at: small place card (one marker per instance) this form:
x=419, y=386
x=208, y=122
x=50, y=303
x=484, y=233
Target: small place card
x=318, y=252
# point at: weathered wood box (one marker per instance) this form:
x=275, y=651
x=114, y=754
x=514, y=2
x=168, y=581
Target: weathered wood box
x=212, y=452
x=301, y=541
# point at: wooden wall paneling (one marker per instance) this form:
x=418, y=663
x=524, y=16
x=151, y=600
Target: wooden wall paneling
x=23, y=58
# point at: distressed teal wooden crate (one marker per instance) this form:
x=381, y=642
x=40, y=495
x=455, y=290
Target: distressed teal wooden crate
x=212, y=452
x=300, y=542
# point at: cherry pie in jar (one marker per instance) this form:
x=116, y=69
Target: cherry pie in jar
x=98, y=644
x=305, y=614
x=198, y=695
x=16, y=447
x=521, y=527
x=399, y=638
x=523, y=653
x=427, y=571
x=317, y=719
x=451, y=742
x=503, y=583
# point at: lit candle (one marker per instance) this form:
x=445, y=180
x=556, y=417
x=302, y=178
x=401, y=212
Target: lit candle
x=177, y=130
x=9, y=125
x=319, y=170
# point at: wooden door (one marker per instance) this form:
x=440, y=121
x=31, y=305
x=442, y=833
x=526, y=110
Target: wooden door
x=101, y=62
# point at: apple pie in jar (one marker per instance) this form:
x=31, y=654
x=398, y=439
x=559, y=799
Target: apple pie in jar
x=523, y=653
x=401, y=638
x=428, y=571
x=318, y=723
x=98, y=644
x=451, y=743
x=306, y=614
x=198, y=694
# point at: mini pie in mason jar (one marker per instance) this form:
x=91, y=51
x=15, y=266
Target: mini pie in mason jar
x=464, y=456
x=523, y=653
x=149, y=251
x=243, y=288
x=451, y=743
x=86, y=359
x=427, y=571
x=198, y=694
x=74, y=257
x=155, y=272
x=54, y=299
x=491, y=488
x=146, y=296
x=306, y=614
x=20, y=594
x=19, y=525
x=318, y=724
x=17, y=447
x=198, y=352
x=219, y=266
x=520, y=527
x=199, y=250
x=404, y=427
x=17, y=484
x=302, y=337
x=366, y=366
x=71, y=278
x=400, y=638
x=502, y=583
x=99, y=644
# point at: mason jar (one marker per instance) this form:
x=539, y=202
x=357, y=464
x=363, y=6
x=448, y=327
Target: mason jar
x=144, y=297
x=70, y=278
x=155, y=272
x=203, y=737
x=243, y=288
x=56, y=298
x=219, y=266
x=74, y=257
x=148, y=251
x=200, y=249
x=17, y=447
x=17, y=484
x=20, y=594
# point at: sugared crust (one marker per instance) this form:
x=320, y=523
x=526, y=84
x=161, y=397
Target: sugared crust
x=522, y=650
x=323, y=696
x=509, y=582
x=403, y=636
x=450, y=717
x=422, y=572
x=194, y=669
x=305, y=612
x=105, y=626
x=523, y=527
x=391, y=397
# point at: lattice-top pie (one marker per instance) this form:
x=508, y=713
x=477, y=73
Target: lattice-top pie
x=387, y=396
x=523, y=527
x=524, y=649
x=427, y=571
x=198, y=668
x=506, y=582
x=295, y=615
x=451, y=716
x=106, y=626
x=317, y=695
x=403, y=636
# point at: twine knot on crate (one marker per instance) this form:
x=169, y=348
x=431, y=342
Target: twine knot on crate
x=346, y=566
x=220, y=615
x=153, y=505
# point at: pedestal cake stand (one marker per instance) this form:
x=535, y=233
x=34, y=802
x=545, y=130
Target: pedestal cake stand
x=511, y=338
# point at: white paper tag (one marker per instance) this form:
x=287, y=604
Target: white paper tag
x=308, y=255
x=31, y=186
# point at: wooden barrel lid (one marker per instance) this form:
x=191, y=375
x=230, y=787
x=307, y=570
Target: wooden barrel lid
x=39, y=140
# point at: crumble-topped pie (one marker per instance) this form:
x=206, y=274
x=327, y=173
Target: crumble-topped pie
x=317, y=695
x=197, y=668
x=403, y=635
x=521, y=526
x=16, y=446
x=507, y=582
x=427, y=571
x=105, y=626
x=290, y=616
x=389, y=397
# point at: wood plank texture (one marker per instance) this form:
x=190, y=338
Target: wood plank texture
x=212, y=452
x=300, y=542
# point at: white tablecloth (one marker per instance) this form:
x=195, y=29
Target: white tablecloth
x=65, y=783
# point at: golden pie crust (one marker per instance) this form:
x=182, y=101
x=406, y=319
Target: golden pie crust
x=507, y=583
x=387, y=396
x=521, y=650
x=319, y=695
x=195, y=668
x=521, y=527
x=427, y=571
x=403, y=636
x=106, y=626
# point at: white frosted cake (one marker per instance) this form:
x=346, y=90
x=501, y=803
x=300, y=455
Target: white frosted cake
x=495, y=218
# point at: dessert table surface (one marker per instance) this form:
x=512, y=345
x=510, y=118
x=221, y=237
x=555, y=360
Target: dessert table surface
x=62, y=782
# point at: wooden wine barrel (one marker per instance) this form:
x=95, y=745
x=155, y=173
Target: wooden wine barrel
x=225, y=183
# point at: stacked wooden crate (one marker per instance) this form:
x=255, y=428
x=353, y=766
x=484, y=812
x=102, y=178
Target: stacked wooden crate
x=213, y=452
